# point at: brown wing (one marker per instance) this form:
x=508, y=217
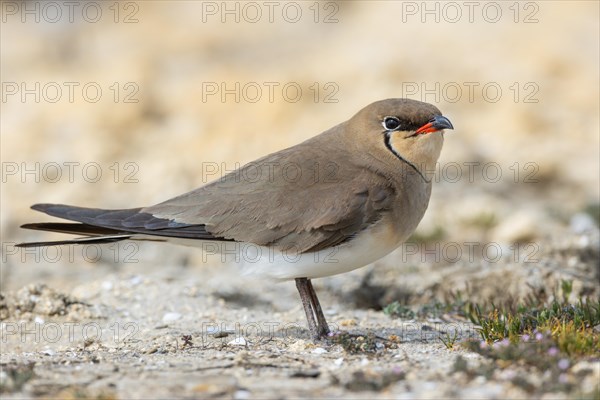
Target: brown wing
x=293, y=199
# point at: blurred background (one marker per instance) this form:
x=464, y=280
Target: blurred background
x=126, y=104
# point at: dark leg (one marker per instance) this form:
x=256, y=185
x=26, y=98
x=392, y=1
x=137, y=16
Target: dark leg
x=323, y=328
x=305, y=296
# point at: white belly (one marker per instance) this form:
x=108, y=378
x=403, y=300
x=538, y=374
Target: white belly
x=265, y=262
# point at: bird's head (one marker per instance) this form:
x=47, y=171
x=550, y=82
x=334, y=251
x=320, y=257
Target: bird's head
x=410, y=131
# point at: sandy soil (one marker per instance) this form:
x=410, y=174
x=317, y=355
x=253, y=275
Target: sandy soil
x=146, y=321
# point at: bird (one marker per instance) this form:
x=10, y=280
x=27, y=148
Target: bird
x=333, y=203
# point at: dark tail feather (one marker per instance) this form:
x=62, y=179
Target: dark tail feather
x=84, y=240
x=66, y=227
x=106, y=226
x=94, y=234
x=91, y=216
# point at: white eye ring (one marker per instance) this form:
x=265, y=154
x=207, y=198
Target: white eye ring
x=391, y=123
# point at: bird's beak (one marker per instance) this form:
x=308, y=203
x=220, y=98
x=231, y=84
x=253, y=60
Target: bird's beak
x=437, y=123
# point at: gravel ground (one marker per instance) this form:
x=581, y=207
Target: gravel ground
x=146, y=321
x=206, y=332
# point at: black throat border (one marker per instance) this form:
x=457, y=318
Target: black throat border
x=390, y=148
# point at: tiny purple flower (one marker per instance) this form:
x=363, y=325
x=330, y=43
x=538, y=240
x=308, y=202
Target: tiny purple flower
x=563, y=363
x=552, y=351
x=483, y=344
x=539, y=336
x=525, y=338
x=562, y=378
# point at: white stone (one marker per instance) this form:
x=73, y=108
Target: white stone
x=170, y=317
x=581, y=223
x=238, y=341
x=522, y=226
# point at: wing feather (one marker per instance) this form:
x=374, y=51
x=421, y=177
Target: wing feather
x=307, y=211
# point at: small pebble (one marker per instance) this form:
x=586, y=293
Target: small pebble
x=170, y=317
x=136, y=280
x=238, y=341
x=241, y=395
x=309, y=373
x=581, y=223
x=48, y=352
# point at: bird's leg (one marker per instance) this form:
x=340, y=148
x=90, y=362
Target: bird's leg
x=302, y=284
x=323, y=328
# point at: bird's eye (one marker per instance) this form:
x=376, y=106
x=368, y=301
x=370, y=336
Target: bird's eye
x=391, y=123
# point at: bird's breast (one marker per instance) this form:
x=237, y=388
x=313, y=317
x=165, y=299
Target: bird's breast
x=368, y=246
